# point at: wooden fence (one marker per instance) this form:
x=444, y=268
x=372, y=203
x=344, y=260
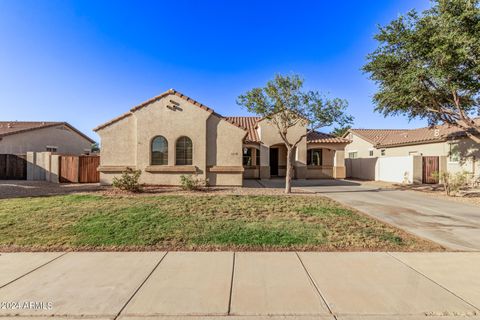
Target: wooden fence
x=79, y=169
x=13, y=167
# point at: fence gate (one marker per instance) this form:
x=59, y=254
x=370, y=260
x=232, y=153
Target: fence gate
x=13, y=167
x=82, y=169
x=430, y=166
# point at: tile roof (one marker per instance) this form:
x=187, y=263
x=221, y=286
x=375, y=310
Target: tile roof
x=320, y=137
x=390, y=138
x=249, y=124
x=13, y=127
x=376, y=136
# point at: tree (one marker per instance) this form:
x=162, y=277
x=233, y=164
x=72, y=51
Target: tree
x=283, y=102
x=95, y=147
x=427, y=65
x=340, y=131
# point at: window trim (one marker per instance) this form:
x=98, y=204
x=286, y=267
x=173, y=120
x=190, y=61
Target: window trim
x=244, y=156
x=310, y=159
x=151, y=151
x=176, y=152
x=353, y=151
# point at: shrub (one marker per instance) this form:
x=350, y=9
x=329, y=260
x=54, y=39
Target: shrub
x=453, y=182
x=192, y=182
x=128, y=181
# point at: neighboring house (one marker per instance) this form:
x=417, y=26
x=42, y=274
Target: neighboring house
x=20, y=137
x=172, y=134
x=455, y=151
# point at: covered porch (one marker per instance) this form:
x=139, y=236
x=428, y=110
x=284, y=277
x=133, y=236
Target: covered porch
x=317, y=161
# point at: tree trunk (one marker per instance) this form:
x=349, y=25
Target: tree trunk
x=289, y=175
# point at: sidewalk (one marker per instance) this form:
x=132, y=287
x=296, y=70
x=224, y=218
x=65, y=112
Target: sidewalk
x=242, y=285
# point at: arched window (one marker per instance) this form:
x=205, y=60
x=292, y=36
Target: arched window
x=184, y=151
x=159, y=151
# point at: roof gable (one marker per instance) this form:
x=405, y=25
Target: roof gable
x=156, y=98
x=15, y=127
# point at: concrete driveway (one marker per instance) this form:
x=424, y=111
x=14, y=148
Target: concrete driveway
x=452, y=224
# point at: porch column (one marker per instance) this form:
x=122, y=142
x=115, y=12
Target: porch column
x=339, y=171
x=301, y=162
x=264, y=162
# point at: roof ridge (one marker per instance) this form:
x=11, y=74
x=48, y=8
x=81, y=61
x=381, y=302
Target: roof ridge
x=158, y=97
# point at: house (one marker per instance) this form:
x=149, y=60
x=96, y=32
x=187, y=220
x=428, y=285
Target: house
x=439, y=148
x=20, y=137
x=172, y=134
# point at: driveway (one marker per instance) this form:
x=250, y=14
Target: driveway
x=452, y=224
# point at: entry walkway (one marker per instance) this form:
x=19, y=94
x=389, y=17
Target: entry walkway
x=242, y=285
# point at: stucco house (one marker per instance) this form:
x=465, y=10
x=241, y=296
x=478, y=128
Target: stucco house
x=172, y=134
x=446, y=145
x=20, y=137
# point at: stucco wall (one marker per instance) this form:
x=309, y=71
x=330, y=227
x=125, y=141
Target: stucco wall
x=118, y=143
x=361, y=146
x=66, y=140
x=269, y=136
x=215, y=143
x=224, y=151
x=468, y=149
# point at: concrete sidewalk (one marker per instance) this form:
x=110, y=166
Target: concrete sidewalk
x=243, y=285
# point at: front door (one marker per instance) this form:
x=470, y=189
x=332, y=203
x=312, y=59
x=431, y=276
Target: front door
x=274, y=161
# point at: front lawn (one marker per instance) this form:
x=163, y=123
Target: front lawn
x=185, y=222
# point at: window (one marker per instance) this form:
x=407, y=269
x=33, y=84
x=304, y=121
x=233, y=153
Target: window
x=159, y=151
x=353, y=155
x=247, y=157
x=51, y=148
x=370, y=153
x=454, y=154
x=383, y=152
x=314, y=157
x=183, y=151
x=257, y=157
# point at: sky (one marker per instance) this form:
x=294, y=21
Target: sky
x=86, y=62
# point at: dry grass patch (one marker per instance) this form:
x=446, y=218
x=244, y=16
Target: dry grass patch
x=183, y=222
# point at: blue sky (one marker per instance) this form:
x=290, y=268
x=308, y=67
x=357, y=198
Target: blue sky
x=86, y=62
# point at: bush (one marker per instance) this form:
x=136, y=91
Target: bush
x=453, y=182
x=128, y=181
x=192, y=182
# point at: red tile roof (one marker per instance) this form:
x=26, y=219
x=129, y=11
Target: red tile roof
x=319, y=137
x=249, y=124
x=14, y=127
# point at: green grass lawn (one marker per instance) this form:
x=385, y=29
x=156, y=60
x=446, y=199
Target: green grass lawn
x=175, y=222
